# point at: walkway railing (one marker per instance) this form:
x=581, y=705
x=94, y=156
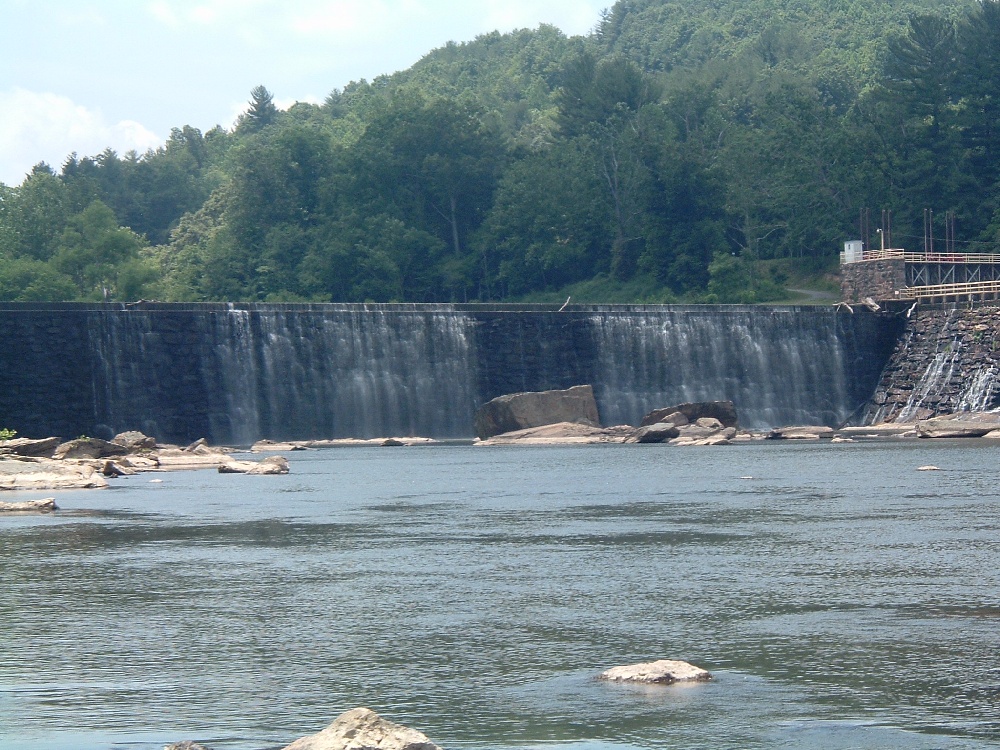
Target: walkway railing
x=970, y=258
x=956, y=292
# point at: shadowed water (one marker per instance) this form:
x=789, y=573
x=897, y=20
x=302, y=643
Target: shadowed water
x=841, y=598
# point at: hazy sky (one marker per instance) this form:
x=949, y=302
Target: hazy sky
x=83, y=75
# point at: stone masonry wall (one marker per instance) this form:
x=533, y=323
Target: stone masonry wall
x=947, y=361
x=878, y=279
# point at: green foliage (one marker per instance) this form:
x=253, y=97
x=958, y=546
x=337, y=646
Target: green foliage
x=677, y=153
x=7, y=434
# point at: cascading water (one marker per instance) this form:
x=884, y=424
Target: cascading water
x=779, y=366
x=237, y=373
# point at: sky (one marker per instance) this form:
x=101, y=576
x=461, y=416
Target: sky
x=85, y=75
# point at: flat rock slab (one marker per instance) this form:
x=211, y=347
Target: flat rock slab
x=363, y=729
x=46, y=505
x=47, y=474
x=662, y=672
x=562, y=433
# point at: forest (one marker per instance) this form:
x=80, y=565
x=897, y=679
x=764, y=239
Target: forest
x=682, y=152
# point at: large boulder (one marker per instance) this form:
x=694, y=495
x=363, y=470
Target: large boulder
x=363, y=729
x=519, y=411
x=88, y=447
x=662, y=672
x=134, y=441
x=724, y=411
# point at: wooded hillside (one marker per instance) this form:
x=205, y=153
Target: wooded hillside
x=662, y=158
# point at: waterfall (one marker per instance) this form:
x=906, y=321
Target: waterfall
x=779, y=366
x=937, y=375
x=237, y=373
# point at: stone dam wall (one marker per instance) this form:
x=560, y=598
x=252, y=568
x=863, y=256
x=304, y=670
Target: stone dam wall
x=238, y=373
x=947, y=360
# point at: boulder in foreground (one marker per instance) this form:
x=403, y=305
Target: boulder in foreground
x=363, y=729
x=662, y=672
x=520, y=411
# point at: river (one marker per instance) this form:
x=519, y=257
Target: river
x=841, y=598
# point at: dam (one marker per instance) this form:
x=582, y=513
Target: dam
x=236, y=373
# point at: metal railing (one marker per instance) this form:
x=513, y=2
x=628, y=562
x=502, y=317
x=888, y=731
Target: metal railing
x=971, y=290
x=970, y=258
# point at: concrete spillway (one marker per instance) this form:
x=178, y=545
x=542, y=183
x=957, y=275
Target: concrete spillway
x=237, y=373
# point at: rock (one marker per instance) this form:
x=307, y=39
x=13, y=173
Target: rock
x=134, y=441
x=112, y=469
x=654, y=433
x=30, y=506
x=180, y=459
x=48, y=474
x=266, y=446
x=270, y=466
x=724, y=411
x=520, y=411
x=199, y=443
x=43, y=448
x=185, y=745
x=89, y=448
x=959, y=426
x=562, y=433
x=662, y=672
x=808, y=432
x=363, y=729
x=928, y=468
x=705, y=427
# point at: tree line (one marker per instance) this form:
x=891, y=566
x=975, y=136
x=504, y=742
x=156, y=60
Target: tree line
x=667, y=156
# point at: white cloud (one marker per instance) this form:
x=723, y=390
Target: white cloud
x=48, y=127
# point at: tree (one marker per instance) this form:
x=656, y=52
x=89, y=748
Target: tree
x=261, y=113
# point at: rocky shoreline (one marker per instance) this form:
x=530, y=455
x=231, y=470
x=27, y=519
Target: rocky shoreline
x=88, y=463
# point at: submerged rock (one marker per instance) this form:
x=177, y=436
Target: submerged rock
x=185, y=745
x=520, y=411
x=662, y=672
x=363, y=729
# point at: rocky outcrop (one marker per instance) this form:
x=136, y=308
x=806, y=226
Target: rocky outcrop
x=959, y=426
x=520, y=411
x=363, y=729
x=662, y=672
x=46, y=505
x=48, y=474
x=43, y=448
x=88, y=447
x=724, y=411
x=134, y=441
x=185, y=745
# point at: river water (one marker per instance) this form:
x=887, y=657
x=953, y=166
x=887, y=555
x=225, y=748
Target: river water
x=841, y=598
